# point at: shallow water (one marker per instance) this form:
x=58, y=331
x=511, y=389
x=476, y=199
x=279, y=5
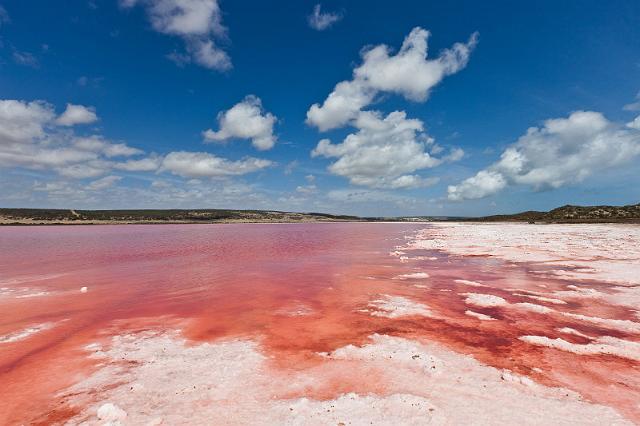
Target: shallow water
x=298, y=290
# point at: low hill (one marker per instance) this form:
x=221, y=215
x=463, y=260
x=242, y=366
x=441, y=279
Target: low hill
x=573, y=214
x=69, y=217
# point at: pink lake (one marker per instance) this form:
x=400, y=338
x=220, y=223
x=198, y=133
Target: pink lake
x=330, y=323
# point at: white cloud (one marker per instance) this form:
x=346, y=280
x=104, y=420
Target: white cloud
x=306, y=189
x=321, y=21
x=77, y=114
x=202, y=164
x=245, y=120
x=32, y=137
x=408, y=73
x=635, y=124
x=22, y=122
x=197, y=22
x=90, y=169
x=103, y=183
x=563, y=151
x=98, y=144
x=148, y=164
x=384, y=152
x=483, y=184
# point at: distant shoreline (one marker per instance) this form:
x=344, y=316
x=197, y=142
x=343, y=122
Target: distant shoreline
x=42, y=217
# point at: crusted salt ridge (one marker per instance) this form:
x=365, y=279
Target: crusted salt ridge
x=604, y=345
x=532, y=307
x=615, y=324
x=397, y=306
x=152, y=378
x=413, y=275
x=491, y=301
x=479, y=316
x=542, y=298
x=569, y=330
x=25, y=333
x=484, y=300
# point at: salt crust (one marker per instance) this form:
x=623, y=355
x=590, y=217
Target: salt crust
x=397, y=306
x=604, y=345
x=602, y=252
x=413, y=275
x=479, y=316
x=484, y=300
x=158, y=378
x=569, y=330
x=490, y=301
x=25, y=333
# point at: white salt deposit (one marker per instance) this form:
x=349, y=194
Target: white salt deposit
x=483, y=300
x=569, y=330
x=34, y=294
x=576, y=292
x=605, y=252
x=613, y=324
x=160, y=379
x=397, y=306
x=605, y=345
x=414, y=275
x=533, y=308
x=83, y=290
x=24, y=333
x=111, y=413
x=479, y=316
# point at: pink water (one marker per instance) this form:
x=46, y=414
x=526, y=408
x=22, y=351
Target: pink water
x=244, y=280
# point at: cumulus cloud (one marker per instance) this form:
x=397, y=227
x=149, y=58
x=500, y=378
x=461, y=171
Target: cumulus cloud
x=103, y=183
x=89, y=169
x=561, y=152
x=77, y=114
x=197, y=22
x=148, y=164
x=635, y=124
x=32, y=137
x=22, y=122
x=384, y=152
x=245, y=120
x=306, y=189
x=96, y=143
x=321, y=21
x=408, y=73
x=203, y=164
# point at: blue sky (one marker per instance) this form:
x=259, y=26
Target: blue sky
x=441, y=134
